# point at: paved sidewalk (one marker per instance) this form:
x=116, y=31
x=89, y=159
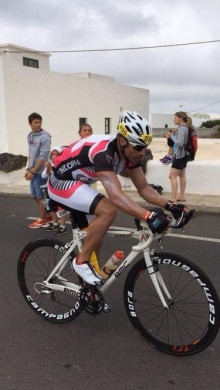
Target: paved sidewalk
x=201, y=203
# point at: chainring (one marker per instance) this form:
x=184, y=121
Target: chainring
x=92, y=300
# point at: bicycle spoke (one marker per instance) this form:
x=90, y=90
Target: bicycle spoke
x=52, y=305
x=187, y=326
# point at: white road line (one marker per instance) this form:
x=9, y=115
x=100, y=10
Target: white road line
x=194, y=237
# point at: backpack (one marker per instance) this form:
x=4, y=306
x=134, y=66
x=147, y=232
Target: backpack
x=191, y=144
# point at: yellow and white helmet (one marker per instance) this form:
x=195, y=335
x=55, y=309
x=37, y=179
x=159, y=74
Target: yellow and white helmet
x=135, y=129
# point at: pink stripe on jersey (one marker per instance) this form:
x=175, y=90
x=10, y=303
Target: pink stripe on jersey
x=99, y=147
x=75, y=152
x=70, y=152
x=64, y=155
x=65, y=193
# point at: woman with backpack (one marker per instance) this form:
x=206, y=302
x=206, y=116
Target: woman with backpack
x=178, y=168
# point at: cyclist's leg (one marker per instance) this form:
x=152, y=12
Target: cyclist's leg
x=105, y=214
x=80, y=196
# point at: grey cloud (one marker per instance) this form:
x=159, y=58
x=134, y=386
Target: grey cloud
x=77, y=24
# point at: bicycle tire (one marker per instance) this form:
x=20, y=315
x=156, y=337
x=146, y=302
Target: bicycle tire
x=192, y=321
x=35, y=263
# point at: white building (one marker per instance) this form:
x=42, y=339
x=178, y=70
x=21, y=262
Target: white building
x=64, y=100
x=162, y=121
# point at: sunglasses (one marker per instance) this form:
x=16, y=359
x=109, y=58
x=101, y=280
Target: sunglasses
x=139, y=148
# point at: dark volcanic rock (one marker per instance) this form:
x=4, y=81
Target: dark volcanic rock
x=11, y=162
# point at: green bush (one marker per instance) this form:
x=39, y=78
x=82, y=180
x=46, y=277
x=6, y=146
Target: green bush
x=209, y=124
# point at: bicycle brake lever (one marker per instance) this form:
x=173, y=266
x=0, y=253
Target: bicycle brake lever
x=184, y=219
x=138, y=224
x=160, y=241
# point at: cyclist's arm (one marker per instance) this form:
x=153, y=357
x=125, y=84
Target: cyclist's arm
x=145, y=191
x=120, y=200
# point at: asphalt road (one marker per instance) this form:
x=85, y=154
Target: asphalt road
x=102, y=352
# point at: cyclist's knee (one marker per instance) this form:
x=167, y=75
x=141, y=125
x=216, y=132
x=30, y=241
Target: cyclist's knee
x=112, y=212
x=106, y=210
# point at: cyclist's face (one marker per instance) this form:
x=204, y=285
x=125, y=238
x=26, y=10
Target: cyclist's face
x=134, y=155
x=36, y=125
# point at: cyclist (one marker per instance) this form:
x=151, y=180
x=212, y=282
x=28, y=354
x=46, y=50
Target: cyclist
x=102, y=157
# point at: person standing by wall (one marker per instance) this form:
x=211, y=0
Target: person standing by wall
x=85, y=130
x=39, y=144
x=178, y=168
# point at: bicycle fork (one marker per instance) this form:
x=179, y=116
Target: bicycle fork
x=157, y=280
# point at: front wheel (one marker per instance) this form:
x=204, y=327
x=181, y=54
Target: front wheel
x=36, y=262
x=193, y=318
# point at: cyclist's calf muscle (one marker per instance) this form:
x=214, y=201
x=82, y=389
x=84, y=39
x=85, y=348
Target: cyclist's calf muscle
x=105, y=214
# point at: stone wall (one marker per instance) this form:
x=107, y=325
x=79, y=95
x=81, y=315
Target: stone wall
x=201, y=132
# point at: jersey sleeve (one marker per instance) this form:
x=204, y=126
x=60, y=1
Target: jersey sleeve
x=103, y=162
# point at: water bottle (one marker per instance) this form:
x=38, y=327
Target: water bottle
x=111, y=265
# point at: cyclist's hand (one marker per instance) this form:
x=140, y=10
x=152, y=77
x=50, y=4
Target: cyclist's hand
x=157, y=221
x=177, y=209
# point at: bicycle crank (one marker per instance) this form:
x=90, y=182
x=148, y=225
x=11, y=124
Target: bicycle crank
x=92, y=300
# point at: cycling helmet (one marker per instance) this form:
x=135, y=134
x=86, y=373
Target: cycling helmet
x=135, y=128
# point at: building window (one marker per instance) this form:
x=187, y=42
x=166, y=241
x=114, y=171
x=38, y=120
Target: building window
x=30, y=62
x=82, y=121
x=107, y=125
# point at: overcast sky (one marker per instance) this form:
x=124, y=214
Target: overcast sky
x=187, y=76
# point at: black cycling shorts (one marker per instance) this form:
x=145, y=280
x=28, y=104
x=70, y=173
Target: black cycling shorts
x=179, y=163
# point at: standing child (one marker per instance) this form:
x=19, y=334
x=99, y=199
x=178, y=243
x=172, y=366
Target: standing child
x=85, y=130
x=54, y=226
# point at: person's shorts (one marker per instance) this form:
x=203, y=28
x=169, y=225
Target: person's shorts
x=35, y=184
x=73, y=194
x=170, y=142
x=179, y=163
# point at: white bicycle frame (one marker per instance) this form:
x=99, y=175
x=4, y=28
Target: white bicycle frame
x=142, y=246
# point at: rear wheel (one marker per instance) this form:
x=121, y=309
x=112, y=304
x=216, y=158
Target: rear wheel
x=35, y=263
x=193, y=318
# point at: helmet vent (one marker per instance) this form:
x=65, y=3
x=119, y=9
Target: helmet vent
x=126, y=119
x=137, y=131
x=127, y=128
x=131, y=116
x=141, y=130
